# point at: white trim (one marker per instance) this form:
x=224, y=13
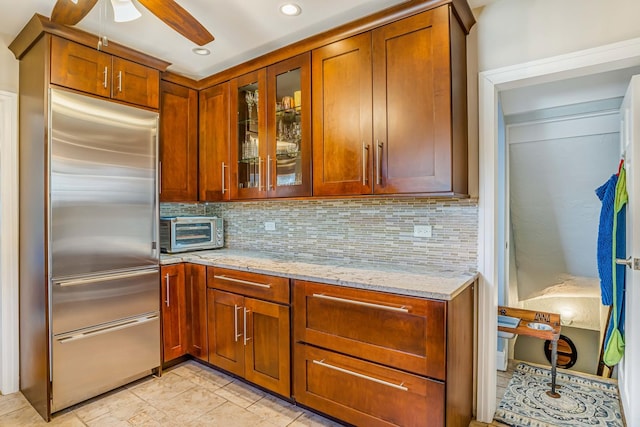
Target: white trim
x=586, y=62
x=9, y=344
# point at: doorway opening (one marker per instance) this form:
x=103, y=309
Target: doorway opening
x=494, y=86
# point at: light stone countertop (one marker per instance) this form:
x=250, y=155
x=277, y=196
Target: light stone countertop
x=436, y=282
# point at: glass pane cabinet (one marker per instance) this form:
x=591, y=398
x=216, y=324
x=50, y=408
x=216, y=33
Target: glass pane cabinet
x=272, y=154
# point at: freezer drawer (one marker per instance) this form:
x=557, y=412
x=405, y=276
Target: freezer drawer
x=82, y=302
x=95, y=360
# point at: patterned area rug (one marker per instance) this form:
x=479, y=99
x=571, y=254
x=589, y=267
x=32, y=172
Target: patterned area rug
x=583, y=401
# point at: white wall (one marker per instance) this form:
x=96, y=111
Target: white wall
x=517, y=31
x=8, y=66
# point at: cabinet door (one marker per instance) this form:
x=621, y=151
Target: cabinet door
x=213, y=171
x=412, y=105
x=80, y=67
x=135, y=83
x=178, y=143
x=249, y=136
x=174, y=319
x=289, y=127
x=196, y=283
x=342, y=134
x=267, y=357
x=226, y=330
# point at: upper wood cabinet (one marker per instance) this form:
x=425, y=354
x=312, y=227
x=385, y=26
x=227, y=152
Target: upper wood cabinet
x=178, y=166
x=213, y=170
x=271, y=131
x=390, y=109
x=342, y=159
x=88, y=70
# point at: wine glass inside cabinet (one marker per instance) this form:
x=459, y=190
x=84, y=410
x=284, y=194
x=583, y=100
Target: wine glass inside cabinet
x=288, y=91
x=249, y=136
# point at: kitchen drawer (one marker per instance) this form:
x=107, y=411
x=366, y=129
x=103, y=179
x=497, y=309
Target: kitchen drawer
x=404, y=332
x=363, y=393
x=261, y=286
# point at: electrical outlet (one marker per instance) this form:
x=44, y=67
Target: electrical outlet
x=421, y=231
x=269, y=226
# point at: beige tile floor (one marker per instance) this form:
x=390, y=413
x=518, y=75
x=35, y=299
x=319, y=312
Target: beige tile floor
x=189, y=394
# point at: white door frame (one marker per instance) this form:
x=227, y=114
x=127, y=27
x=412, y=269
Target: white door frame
x=9, y=350
x=581, y=63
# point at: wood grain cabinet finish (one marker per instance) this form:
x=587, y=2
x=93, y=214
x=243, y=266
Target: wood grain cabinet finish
x=196, y=306
x=174, y=316
x=213, y=169
x=389, y=109
x=178, y=143
x=342, y=133
x=88, y=70
x=373, y=358
x=249, y=336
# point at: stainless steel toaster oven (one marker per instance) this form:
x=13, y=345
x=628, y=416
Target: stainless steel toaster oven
x=189, y=233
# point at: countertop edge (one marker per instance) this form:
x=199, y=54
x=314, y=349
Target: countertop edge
x=462, y=281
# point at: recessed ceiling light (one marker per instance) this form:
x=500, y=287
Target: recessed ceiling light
x=290, y=9
x=201, y=51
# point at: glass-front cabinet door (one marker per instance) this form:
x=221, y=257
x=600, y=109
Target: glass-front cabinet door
x=249, y=136
x=271, y=136
x=288, y=171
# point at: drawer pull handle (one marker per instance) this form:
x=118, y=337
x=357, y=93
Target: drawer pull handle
x=402, y=309
x=246, y=339
x=356, y=374
x=244, y=282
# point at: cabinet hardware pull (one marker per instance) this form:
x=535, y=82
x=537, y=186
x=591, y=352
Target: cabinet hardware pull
x=259, y=173
x=268, y=172
x=105, y=278
x=236, y=335
x=402, y=309
x=356, y=374
x=105, y=73
x=365, y=163
x=223, y=168
x=119, y=81
x=378, y=161
x=166, y=279
x=160, y=177
x=244, y=282
x=104, y=330
x=245, y=326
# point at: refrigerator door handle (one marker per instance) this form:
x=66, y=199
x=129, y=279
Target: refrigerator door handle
x=105, y=278
x=106, y=329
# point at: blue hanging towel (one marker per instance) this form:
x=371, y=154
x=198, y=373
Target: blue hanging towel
x=606, y=193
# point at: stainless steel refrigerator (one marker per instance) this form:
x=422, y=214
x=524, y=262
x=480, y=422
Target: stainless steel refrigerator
x=103, y=252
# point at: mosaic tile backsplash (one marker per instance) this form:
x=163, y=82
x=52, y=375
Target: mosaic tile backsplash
x=369, y=230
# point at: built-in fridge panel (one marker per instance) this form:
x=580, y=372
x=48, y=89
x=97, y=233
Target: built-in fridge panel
x=103, y=186
x=83, y=302
x=90, y=362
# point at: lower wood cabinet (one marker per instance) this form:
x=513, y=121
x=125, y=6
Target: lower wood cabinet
x=378, y=359
x=174, y=319
x=248, y=336
x=196, y=310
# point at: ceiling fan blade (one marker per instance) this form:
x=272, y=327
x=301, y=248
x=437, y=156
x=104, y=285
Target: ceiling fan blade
x=68, y=12
x=175, y=16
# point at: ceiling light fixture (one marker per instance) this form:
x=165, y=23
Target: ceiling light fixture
x=201, y=51
x=124, y=11
x=290, y=9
